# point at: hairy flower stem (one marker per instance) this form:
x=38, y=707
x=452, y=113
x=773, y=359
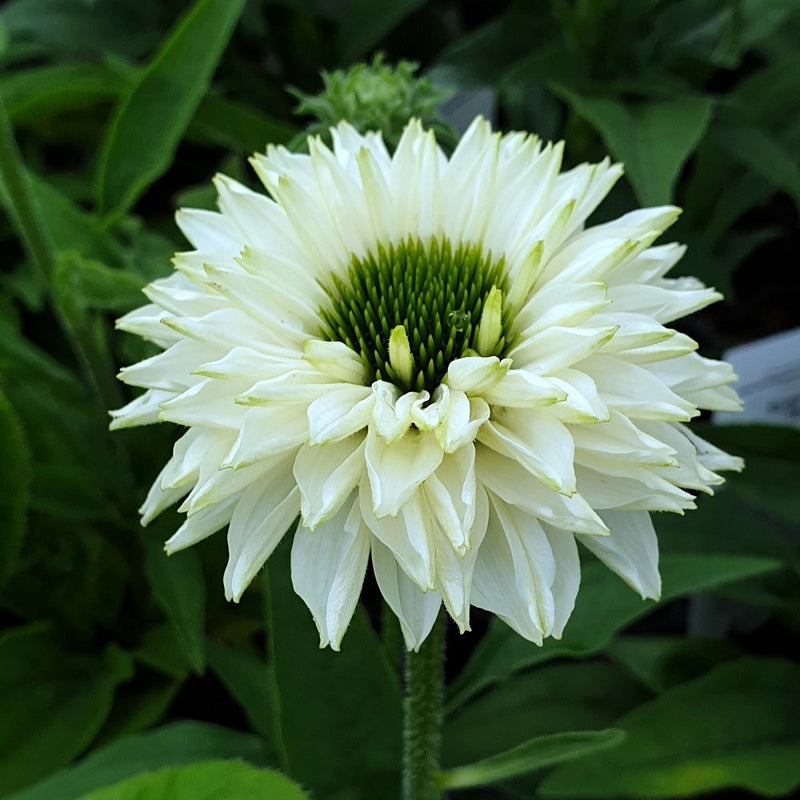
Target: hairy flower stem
x=422, y=723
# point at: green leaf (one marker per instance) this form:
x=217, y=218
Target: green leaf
x=553, y=698
x=52, y=702
x=364, y=24
x=99, y=27
x=764, y=96
x=760, y=152
x=139, y=704
x=209, y=780
x=15, y=477
x=604, y=606
x=235, y=126
x=247, y=679
x=149, y=123
x=91, y=284
x=179, y=588
x=756, y=511
x=544, y=751
x=43, y=92
x=70, y=227
x=172, y=745
x=652, y=138
x=735, y=727
x=340, y=713
x=483, y=57
x=661, y=662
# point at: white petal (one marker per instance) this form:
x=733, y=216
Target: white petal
x=262, y=222
x=631, y=550
x=604, y=491
x=396, y=470
x=261, y=518
x=523, y=389
x=328, y=568
x=335, y=359
x=510, y=481
x=454, y=569
x=265, y=433
x=391, y=412
x=461, y=421
x=711, y=456
x=557, y=348
x=209, y=404
x=635, y=391
x=515, y=571
x=416, y=610
x=476, y=374
x=208, y=230
x=537, y=441
x=144, y=410
x=567, y=578
x=326, y=475
x=450, y=494
x=201, y=525
x=339, y=413
x=408, y=536
x=552, y=305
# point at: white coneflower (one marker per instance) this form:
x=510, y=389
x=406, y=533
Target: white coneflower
x=436, y=365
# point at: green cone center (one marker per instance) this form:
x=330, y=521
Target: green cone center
x=435, y=291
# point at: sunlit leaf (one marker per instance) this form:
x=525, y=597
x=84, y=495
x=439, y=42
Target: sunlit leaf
x=170, y=746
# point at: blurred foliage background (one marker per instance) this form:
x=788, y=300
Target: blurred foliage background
x=116, y=661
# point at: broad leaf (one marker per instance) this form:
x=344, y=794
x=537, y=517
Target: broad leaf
x=652, y=138
x=604, y=606
x=208, y=780
x=535, y=754
x=153, y=116
x=247, y=678
x=340, y=712
x=554, y=698
x=661, y=662
x=179, y=588
x=237, y=127
x=43, y=92
x=173, y=745
x=74, y=26
x=365, y=23
x=70, y=227
x=760, y=152
x=52, y=702
x=735, y=727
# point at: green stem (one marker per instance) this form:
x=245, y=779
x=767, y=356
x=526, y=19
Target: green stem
x=422, y=731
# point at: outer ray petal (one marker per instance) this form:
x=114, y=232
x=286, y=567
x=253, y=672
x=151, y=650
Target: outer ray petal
x=328, y=568
x=261, y=518
x=416, y=610
x=631, y=550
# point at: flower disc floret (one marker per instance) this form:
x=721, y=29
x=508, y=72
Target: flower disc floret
x=436, y=366
x=434, y=291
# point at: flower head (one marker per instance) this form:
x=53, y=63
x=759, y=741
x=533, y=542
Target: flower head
x=436, y=365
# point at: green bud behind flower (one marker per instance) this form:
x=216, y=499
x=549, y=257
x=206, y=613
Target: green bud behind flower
x=373, y=97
